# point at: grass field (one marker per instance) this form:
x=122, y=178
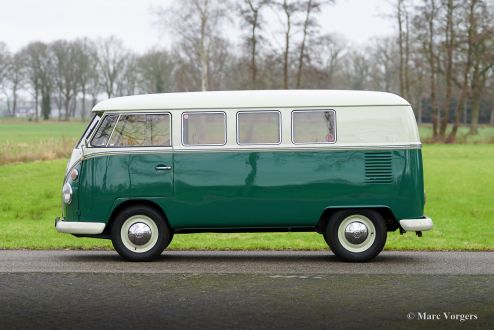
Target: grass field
x=459, y=183
x=22, y=141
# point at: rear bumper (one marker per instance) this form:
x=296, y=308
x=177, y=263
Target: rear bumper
x=422, y=224
x=81, y=228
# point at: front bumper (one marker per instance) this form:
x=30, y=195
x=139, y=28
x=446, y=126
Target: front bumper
x=81, y=228
x=421, y=224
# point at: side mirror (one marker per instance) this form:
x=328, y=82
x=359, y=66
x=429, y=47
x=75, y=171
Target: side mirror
x=86, y=143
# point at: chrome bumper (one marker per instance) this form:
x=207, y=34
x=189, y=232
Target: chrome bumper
x=89, y=228
x=422, y=224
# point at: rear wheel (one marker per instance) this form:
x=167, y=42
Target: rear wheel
x=140, y=233
x=356, y=235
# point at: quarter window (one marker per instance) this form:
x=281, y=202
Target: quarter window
x=104, y=131
x=317, y=126
x=150, y=130
x=204, y=128
x=260, y=127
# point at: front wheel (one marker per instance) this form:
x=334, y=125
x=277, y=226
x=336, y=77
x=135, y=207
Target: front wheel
x=139, y=233
x=356, y=235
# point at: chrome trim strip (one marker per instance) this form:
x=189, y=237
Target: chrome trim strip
x=234, y=107
x=422, y=224
x=126, y=151
x=91, y=228
x=328, y=148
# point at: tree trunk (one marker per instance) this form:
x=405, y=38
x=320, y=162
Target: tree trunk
x=94, y=100
x=449, y=69
x=432, y=63
x=14, y=101
x=287, y=45
x=83, y=106
x=204, y=58
x=466, y=73
x=36, y=105
x=67, y=107
x=491, y=121
x=302, y=45
x=45, y=104
x=400, y=47
x=458, y=112
x=407, y=55
x=253, y=51
x=474, y=119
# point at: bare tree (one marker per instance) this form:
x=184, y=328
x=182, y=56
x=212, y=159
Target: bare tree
x=358, y=69
x=67, y=73
x=383, y=64
x=127, y=85
x=15, y=80
x=482, y=56
x=39, y=71
x=449, y=47
x=155, y=69
x=112, y=59
x=289, y=8
x=5, y=63
x=311, y=8
x=328, y=54
x=196, y=25
x=250, y=12
x=425, y=22
x=402, y=18
x=86, y=54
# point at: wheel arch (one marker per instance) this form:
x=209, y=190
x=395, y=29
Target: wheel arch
x=121, y=205
x=384, y=211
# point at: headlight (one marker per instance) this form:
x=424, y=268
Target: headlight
x=74, y=174
x=67, y=193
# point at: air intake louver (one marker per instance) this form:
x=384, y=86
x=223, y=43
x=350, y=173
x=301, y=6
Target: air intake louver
x=378, y=167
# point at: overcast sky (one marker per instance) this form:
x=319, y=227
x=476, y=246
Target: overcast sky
x=22, y=21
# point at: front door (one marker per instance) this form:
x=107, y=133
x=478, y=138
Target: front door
x=151, y=174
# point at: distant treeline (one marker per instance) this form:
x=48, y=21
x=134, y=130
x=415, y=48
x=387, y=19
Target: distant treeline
x=440, y=58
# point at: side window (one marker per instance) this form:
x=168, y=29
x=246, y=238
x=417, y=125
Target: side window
x=204, y=128
x=100, y=138
x=317, y=126
x=146, y=130
x=259, y=127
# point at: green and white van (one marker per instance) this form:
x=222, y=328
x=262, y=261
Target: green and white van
x=345, y=164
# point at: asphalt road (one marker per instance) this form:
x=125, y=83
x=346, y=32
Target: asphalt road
x=246, y=290
x=249, y=262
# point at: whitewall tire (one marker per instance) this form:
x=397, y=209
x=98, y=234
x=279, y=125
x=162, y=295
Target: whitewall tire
x=140, y=233
x=356, y=235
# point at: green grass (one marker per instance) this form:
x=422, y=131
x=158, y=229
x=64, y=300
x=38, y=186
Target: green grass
x=459, y=184
x=22, y=141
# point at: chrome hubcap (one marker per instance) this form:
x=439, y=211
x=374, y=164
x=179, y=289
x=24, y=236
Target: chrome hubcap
x=139, y=233
x=356, y=232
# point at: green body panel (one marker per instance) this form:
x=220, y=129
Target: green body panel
x=248, y=189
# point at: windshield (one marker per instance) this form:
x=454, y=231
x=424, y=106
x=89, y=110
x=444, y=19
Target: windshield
x=94, y=122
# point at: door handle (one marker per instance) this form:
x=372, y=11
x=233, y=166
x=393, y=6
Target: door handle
x=162, y=168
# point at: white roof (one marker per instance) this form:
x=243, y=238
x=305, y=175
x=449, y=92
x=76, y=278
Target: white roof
x=251, y=99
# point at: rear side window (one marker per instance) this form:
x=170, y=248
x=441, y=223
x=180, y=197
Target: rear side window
x=314, y=126
x=204, y=128
x=142, y=130
x=104, y=131
x=260, y=127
